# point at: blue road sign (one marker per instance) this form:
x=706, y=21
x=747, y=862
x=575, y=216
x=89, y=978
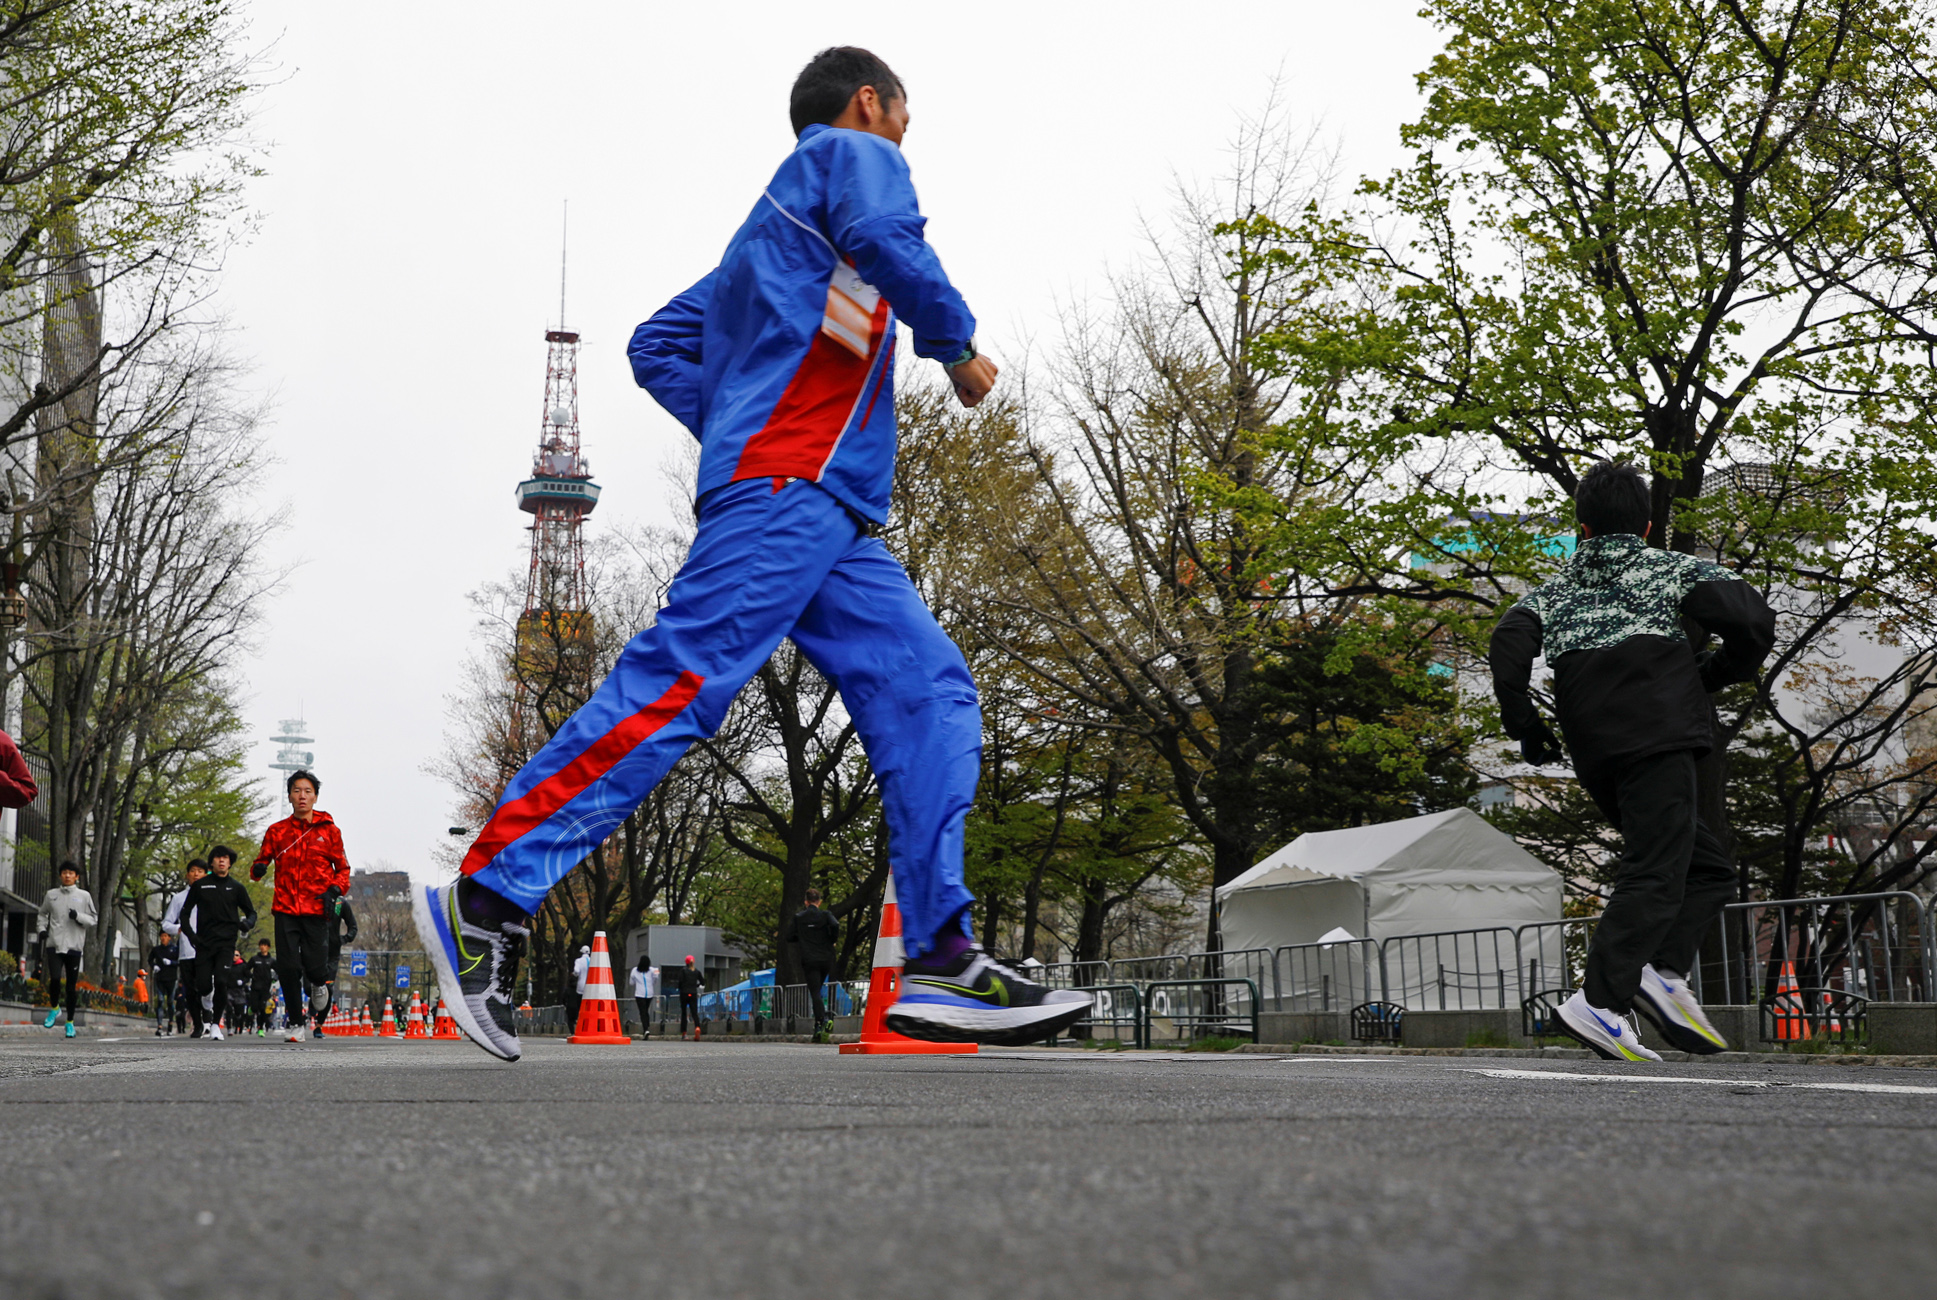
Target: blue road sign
x=403, y=977
x=359, y=964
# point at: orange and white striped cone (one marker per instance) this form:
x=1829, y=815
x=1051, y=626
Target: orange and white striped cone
x=598, y=1011
x=414, y=1028
x=1791, y=1024
x=389, y=1029
x=445, y=1026
x=884, y=986
x=366, y=1028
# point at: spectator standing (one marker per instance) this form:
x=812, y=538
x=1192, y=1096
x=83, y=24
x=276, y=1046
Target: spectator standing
x=215, y=913
x=816, y=931
x=66, y=915
x=645, y=987
x=312, y=874
x=141, y=987
x=262, y=983
x=689, y=987
x=161, y=960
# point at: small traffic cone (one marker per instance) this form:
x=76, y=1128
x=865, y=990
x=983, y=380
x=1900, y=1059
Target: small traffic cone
x=365, y=1028
x=414, y=1027
x=389, y=1029
x=884, y=986
x=598, y=1012
x=1791, y=1024
x=445, y=1026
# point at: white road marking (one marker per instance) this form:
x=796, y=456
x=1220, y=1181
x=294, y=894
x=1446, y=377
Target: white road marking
x=1681, y=1078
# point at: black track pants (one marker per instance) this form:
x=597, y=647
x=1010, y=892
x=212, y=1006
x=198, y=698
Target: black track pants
x=64, y=965
x=214, y=954
x=302, y=953
x=816, y=978
x=1670, y=881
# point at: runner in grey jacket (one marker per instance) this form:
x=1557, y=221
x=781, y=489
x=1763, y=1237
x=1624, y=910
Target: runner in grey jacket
x=66, y=915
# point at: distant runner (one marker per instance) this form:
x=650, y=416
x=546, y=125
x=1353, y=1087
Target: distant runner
x=781, y=363
x=66, y=915
x=306, y=850
x=215, y=911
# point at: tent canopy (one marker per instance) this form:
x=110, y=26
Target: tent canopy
x=1445, y=871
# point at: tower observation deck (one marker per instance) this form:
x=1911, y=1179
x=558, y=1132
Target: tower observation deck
x=560, y=492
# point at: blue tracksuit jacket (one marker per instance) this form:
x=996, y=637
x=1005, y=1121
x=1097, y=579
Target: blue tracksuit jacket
x=744, y=360
x=741, y=359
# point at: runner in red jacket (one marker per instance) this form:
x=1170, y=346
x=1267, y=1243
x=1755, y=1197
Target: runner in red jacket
x=312, y=876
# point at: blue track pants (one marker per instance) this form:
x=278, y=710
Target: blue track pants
x=772, y=559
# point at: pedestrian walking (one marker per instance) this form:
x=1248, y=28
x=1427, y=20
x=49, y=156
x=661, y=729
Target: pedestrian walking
x=215, y=913
x=1631, y=696
x=262, y=984
x=645, y=987
x=817, y=932
x=66, y=915
x=689, y=987
x=162, y=961
x=781, y=363
x=312, y=875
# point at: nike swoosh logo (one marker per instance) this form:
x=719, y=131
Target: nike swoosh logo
x=1614, y=1030
x=997, y=995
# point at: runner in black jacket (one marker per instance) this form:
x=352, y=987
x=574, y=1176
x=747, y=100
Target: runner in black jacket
x=162, y=959
x=262, y=985
x=816, y=931
x=339, y=929
x=1632, y=697
x=219, y=908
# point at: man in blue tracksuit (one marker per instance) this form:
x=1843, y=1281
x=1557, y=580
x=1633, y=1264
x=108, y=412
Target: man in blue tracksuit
x=781, y=362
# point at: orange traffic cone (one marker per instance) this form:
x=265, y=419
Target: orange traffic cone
x=598, y=1012
x=366, y=1029
x=884, y=986
x=1791, y=1024
x=445, y=1026
x=414, y=1028
x=389, y=1029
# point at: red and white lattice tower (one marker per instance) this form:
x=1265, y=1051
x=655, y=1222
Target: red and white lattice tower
x=555, y=626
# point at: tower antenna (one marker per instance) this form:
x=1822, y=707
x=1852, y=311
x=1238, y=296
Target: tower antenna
x=564, y=236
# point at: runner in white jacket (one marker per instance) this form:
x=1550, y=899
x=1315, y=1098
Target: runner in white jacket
x=172, y=921
x=66, y=915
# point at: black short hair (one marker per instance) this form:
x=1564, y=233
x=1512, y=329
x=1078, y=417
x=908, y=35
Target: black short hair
x=813, y=895
x=828, y=82
x=195, y=864
x=222, y=851
x=1613, y=497
x=68, y=866
x=302, y=774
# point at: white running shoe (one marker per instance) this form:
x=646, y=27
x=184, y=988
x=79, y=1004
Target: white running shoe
x=295, y=1034
x=215, y=1032
x=1677, y=1013
x=1608, y=1035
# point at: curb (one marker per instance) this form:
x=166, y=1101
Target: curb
x=1582, y=1054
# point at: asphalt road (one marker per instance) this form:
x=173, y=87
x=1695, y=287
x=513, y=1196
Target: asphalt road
x=352, y=1168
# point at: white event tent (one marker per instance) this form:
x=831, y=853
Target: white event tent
x=1444, y=871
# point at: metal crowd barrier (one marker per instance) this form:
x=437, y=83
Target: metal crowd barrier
x=1199, y=1008
x=1321, y=977
x=1859, y=944
x=1452, y=970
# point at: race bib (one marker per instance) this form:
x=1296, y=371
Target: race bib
x=851, y=301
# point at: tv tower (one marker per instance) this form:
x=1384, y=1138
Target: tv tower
x=554, y=629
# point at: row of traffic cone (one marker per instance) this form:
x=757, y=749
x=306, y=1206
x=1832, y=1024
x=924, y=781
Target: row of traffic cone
x=598, y=1014
x=420, y=1022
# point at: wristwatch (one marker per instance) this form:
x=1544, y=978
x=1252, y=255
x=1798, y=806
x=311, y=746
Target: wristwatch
x=968, y=354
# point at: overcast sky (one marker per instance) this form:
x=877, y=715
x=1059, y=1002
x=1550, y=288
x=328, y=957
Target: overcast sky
x=394, y=298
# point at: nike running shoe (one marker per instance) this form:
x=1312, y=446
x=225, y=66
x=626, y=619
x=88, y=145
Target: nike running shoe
x=479, y=961
x=52, y=1016
x=1609, y=1036
x=1677, y=1013
x=70, y=1029
x=976, y=999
